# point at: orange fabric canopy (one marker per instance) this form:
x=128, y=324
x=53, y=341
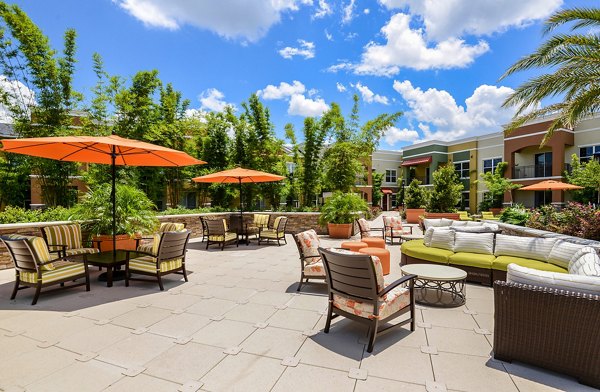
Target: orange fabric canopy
x=416, y=161
x=239, y=175
x=550, y=185
x=98, y=149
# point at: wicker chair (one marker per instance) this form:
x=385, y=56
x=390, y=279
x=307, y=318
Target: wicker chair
x=35, y=267
x=218, y=233
x=168, y=258
x=357, y=291
x=275, y=233
x=66, y=240
x=392, y=228
x=549, y=328
x=367, y=231
x=311, y=266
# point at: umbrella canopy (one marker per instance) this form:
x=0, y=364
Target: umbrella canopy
x=113, y=150
x=239, y=175
x=550, y=185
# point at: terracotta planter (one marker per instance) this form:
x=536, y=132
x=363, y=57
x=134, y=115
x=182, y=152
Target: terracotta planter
x=124, y=242
x=496, y=211
x=339, y=230
x=413, y=214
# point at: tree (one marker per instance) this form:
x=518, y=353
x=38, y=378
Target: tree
x=587, y=175
x=573, y=59
x=377, y=194
x=216, y=149
x=415, y=196
x=497, y=185
x=446, y=191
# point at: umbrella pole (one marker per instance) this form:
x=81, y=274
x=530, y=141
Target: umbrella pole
x=241, y=208
x=113, y=197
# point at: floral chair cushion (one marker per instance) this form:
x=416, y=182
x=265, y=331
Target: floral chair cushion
x=393, y=222
x=389, y=304
x=309, y=242
x=364, y=225
x=395, y=233
x=314, y=269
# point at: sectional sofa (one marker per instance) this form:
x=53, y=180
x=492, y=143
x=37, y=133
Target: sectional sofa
x=476, y=248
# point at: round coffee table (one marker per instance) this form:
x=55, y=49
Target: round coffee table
x=438, y=285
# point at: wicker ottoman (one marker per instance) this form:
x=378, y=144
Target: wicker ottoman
x=374, y=242
x=383, y=254
x=354, y=246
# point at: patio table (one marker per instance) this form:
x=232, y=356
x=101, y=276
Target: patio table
x=435, y=283
x=105, y=259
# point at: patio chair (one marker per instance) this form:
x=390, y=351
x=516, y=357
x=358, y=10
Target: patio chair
x=218, y=233
x=66, y=240
x=488, y=215
x=168, y=257
x=259, y=221
x=35, y=267
x=149, y=241
x=311, y=266
x=367, y=231
x=393, y=228
x=357, y=291
x=275, y=233
x=204, y=228
x=464, y=216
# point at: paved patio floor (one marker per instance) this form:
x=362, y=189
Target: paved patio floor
x=239, y=325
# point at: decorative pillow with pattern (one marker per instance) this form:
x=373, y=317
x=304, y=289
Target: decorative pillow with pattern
x=309, y=241
x=364, y=225
x=585, y=262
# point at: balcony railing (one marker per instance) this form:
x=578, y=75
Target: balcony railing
x=535, y=171
x=424, y=180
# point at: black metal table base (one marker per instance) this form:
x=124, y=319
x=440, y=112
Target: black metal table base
x=440, y=293
x=116, y=275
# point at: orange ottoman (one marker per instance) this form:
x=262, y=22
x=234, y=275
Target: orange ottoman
x=383, y=254
x=374, y=242
x=354, y=246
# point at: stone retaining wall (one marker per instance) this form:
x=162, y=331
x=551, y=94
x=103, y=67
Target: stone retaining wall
x=297, y=222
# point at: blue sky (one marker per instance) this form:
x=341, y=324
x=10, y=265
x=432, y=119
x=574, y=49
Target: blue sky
x=437, y=61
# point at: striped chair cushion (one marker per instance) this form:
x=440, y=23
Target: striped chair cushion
x=526, y=247
x=62, y=270
x=585, y=262
x=482, y=243
x=150, y=246
x=38, y=245
x=562, y=252
x=270, y=233
x=171, y=226
x=555, y=280
x=260, y=220
x=443, y=239
x=429, y=234
x=226, y=237
x=69, y=235
x=81, y=251
x=148, y=264
x=276, y=222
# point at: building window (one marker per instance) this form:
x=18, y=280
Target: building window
x=588, y=153
x=489, y=165
x=462, y=169
x=390, y=175
x=393, y=200
x=464, y=201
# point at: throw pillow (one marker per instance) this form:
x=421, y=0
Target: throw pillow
x=562, y=252
x=443, y=239
x=429, y=234
x=474, y=243
x=585, y=262
x=474, y=224
x=526, y=247
x=427, y=223
x=458, y=224
x=472, y=229
x=555, y=280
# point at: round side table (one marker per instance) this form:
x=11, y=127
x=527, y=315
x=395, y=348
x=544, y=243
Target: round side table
x=374, y=242
x=438, y=285
x=383, y=254
x=354, y=246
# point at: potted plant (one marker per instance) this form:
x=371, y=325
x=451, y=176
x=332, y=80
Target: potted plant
x=339, y=213
x=415, y=200
x=134, y=215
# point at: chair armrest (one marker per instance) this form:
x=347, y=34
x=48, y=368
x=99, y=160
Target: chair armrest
x=63, y=246
x=128, y=252
x=397, y=283
x=377, y=229
x=52, y=261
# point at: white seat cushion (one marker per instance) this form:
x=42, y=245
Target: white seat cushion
x=585, y=262
x=556, y=280
x=525, y=247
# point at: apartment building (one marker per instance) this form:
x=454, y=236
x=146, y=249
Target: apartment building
x=528, y=162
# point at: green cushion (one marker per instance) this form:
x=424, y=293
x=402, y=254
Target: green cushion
x=418, y=250
x=472, y=260
x=501, y=263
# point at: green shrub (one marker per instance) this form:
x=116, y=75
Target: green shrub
x=21, y=215
x=342, y=208
x=515, y=215
x=446, y=191
x=415, y=195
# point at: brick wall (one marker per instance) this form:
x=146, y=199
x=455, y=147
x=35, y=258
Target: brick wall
x=297, y=222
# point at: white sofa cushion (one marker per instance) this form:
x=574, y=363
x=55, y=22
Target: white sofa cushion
x=443, y=239
x=562, y=252
x=442, y=222
x=474, y=224
x=429, y=234
x=556, y=280
x=585, y=262
x=526, y=247
x=474, y=243
x=458, y=223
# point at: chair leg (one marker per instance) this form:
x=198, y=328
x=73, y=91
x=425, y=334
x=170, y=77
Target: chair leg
x=373, y=335
x=184, y=273
x=328, y=322
x=300, y=283
x=127, y=275
x=160, y=282
x=38, y=289
x=17, y=281
x=207, y=242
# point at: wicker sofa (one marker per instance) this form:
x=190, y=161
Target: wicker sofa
x=485, y=256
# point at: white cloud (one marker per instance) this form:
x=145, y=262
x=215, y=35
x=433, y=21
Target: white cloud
x=438, y=109
x=446, y=19
x=15, y=95
x=408, y=48
x=369, y=96
x=328, y=35
x=212, y=99
x=348, y=12
x=306, y=50
x=340, y=87
x=198, y=114
x=323, y=10
x=284, y=90
x=366, y=11
x=302, y=106
x=233, y=19
x=394, y=135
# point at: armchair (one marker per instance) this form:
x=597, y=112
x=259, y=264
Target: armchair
x=357, y=291
x=311, y=265
x=66, y=240
x=275, y=233
x=393, y=228
x=218, y=233
x=149, y=243
x=367, y=231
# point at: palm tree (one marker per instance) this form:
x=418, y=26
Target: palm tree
x=574, y=60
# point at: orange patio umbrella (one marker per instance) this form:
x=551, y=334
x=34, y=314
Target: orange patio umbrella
x=240, y=176
x=112, y=150
x=550, y=185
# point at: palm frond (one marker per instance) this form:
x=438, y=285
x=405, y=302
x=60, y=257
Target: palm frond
x=584, y=17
